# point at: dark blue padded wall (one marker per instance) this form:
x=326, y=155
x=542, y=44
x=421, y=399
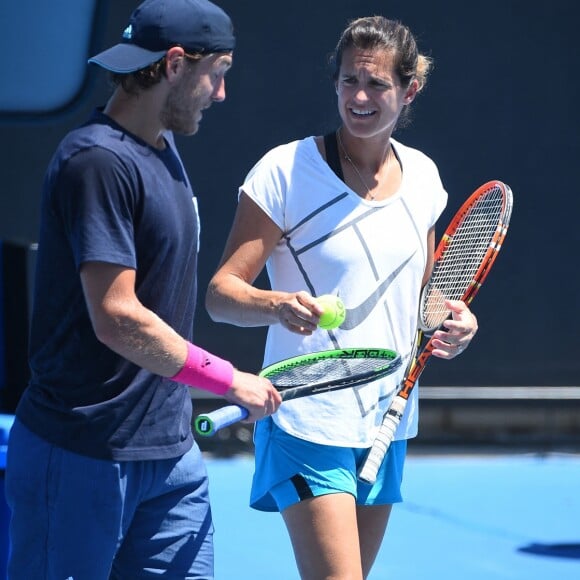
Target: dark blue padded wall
x=2, y=328
x=17, y=263
x=500, y=104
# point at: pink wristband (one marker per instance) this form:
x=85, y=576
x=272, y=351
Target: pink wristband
x=205, y=371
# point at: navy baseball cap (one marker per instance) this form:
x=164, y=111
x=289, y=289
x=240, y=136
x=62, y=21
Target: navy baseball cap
x=198, y=26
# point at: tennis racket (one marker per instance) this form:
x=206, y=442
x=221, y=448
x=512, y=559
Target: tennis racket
x=310, y=374
x=462, y=261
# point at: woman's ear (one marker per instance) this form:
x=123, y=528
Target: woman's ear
x=411, y=92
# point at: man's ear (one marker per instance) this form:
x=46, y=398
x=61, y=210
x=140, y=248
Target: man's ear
x=174, y=61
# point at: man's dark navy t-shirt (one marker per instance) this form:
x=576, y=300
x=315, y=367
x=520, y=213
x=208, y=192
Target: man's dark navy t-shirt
x=110, y=197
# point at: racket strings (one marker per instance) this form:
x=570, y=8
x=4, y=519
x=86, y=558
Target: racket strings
x=466, y=248
x=325, y=370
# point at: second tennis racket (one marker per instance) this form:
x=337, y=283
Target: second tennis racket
x=462, y=261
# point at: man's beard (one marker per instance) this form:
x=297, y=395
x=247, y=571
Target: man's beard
x=180, y=111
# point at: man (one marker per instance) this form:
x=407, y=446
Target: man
x=104, y=479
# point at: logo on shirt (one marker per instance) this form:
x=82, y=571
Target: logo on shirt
x=358, y=314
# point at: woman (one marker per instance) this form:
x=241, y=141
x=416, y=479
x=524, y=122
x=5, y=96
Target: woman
x=352, y=213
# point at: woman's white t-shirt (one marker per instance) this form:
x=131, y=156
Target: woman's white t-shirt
x=372, y=254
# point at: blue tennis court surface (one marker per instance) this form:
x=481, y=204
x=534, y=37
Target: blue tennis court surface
x=465, y=517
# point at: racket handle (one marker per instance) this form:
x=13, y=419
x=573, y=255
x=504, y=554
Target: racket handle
x=370, y=468
x=210, y=423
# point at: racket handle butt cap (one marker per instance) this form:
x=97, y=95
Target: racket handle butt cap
x=210, y=423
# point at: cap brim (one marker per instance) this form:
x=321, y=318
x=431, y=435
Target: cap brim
x=126, y=58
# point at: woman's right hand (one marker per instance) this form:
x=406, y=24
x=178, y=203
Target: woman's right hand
x=299, y=312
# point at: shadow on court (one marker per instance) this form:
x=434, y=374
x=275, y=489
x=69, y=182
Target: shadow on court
x=465, y=517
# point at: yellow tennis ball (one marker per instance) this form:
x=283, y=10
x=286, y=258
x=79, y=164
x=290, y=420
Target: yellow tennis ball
x=334, y=311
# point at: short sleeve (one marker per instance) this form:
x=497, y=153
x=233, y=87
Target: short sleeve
x=267, y=185
x=94, y=199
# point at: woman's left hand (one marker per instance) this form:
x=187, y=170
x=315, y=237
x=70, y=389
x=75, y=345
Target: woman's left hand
x=456, y=333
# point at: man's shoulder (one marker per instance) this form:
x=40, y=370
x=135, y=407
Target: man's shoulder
x=94, y=133
x=99, y=143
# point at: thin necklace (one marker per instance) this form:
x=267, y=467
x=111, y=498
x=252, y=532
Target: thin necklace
x=347, y=157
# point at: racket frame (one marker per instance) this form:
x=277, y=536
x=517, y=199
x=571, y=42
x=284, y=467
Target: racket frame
x=208, y=424
x=423, y=344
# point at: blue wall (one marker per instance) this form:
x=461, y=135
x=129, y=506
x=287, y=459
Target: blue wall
x=501, y=104
x=2, y=324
